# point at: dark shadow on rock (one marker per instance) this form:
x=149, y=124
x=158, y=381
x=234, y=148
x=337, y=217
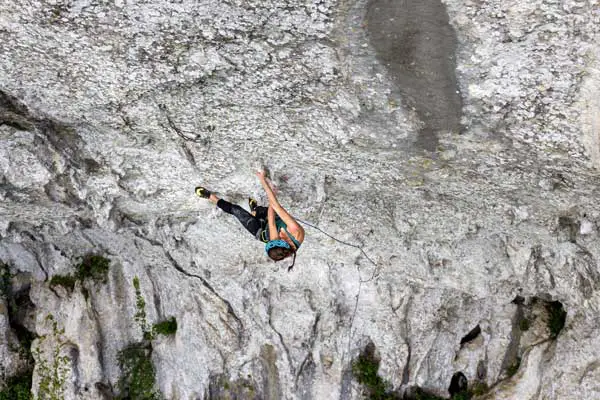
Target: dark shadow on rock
x=472, y=335
x=270, y=373
x=14, y=113
x=414, y=40
x=458, y=384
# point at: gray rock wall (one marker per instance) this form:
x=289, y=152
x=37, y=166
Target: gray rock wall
x=111, y=114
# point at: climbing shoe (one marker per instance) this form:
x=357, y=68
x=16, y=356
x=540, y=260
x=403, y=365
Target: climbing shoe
x=202, y=192
x=252, y=204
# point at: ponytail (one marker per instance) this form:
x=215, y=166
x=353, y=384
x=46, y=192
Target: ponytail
x=293, y=262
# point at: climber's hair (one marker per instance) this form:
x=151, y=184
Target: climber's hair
x=280, y=253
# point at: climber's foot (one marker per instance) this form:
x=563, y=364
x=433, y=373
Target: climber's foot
x=252, y=204
x=203, y=192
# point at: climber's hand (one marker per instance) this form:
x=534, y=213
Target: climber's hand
x=261, y=175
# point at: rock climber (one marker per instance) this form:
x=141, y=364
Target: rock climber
x=272, y=225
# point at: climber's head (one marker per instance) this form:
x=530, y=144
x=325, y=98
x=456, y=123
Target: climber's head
x=279, y=249
x=279, y=253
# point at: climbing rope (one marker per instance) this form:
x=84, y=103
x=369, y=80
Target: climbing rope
x=360, y=281
x=345, y=243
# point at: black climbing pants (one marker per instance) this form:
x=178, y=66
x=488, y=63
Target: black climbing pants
x=253, y=224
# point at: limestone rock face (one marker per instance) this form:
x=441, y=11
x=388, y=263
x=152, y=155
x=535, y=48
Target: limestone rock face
x=465, y=227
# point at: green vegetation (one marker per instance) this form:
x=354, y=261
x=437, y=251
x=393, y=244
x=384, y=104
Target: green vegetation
x=92, y=267
x=66, y=281
x=140, y=314
x=365, y=370
x=462, y=396
x=524, y=324
x=479, y=388
x=514, y=367
x=18, y=387
x=556, y=318
x=168, y=327
x=24, y=336
x=138, y=380
x=53, y=371
x=420, y=394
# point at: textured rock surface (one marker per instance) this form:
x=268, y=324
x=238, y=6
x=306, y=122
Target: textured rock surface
x=417, y=46
x=111, y=113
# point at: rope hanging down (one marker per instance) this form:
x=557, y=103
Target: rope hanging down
x=340, y=241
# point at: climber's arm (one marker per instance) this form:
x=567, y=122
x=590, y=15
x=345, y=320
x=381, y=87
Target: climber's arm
x=273, y=234
x=291, y=223
x=270, y=194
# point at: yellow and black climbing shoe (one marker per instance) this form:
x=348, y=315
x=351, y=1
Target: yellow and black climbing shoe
x=202, y=192
x=252, y=204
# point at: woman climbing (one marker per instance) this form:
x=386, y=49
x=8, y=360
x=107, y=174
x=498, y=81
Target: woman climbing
x=272, y=225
